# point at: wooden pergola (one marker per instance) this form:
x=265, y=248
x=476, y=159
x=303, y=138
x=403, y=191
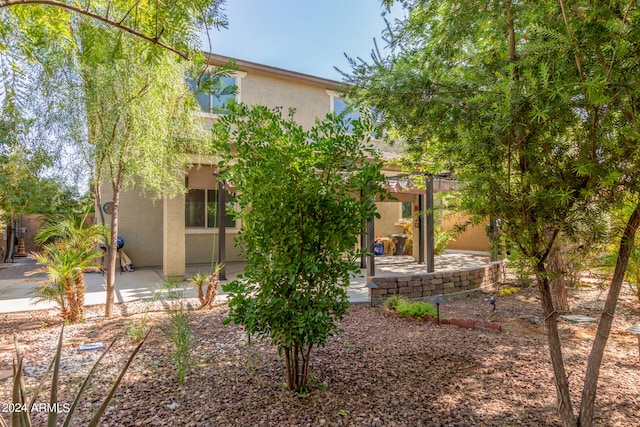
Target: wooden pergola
x=424, y=185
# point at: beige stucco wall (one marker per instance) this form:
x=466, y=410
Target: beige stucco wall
x=199, y=248
x=389, y=214
x=473, y=239
x=140, y=225
x=309, y=101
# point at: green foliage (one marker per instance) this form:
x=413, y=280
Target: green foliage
x=414, y=308
x=298, y=232
x=137, y=329
x=522, y=267
x=21, y=164
x=179, y=332
x=392, y=302
x=173, y=26
x=441, y=239
x=408, y=308
x=69, y=249
x=608, y=258
x=178, y=327
x=22, y=400
x=126, y=105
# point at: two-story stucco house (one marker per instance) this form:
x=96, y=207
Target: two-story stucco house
x=178, y=231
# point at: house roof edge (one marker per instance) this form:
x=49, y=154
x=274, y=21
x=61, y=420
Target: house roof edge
x=217, y=59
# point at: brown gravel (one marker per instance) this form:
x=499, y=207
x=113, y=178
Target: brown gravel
x=381, y=371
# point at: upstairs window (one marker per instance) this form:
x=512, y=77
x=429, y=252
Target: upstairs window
x=340, y=107
x=214, y=92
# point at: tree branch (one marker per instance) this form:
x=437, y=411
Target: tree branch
x=106, y=20
x=573, y=37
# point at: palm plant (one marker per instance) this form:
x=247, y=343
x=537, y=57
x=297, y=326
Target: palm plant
x=206, y=296
x=71, y=250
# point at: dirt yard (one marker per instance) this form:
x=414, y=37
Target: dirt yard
x=382, y=371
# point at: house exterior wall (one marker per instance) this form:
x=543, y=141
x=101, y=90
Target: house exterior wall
x=200, y=248
x=309, y=101
x=140, y=225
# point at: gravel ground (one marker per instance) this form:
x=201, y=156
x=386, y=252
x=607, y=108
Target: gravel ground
x=381, y=371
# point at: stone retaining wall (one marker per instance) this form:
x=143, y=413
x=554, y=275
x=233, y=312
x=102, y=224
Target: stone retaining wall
x=423, y=286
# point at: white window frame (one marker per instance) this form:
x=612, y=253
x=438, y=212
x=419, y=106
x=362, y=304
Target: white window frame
x=238, y=76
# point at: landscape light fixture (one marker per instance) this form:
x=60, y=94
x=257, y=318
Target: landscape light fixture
x=437, y=300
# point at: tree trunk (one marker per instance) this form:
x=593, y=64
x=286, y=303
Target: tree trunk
x=9, y=240
x=589, y=389
x=72, y=314
x=565, y=409
x=557, y=281
x=112, y=250
x=212, y=291
x=80, y=289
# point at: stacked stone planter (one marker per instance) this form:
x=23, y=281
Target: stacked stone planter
x=423, y=286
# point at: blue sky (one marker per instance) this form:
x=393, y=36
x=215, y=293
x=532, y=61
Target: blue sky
x=300, y=35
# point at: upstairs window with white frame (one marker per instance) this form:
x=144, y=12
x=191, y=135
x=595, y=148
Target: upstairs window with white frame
x=213, y=92
x=342, y=108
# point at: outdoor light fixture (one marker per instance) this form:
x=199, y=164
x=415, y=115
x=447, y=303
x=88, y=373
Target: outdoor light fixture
x=437, y=300
x=492, y=301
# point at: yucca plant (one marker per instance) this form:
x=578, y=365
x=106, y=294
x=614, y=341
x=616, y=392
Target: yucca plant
x=69, y=250
x=22, y=418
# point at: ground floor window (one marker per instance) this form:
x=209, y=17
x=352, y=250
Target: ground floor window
x=201, y=207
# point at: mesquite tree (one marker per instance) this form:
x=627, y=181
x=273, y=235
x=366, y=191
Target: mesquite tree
x=534, y=105
x=298, y=195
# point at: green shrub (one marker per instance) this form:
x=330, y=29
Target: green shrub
x=178, y=327
x=179, y=332
x=137, y=329
x=441, y=240
x=300, y=236
x=415, y=308
x=391, y=303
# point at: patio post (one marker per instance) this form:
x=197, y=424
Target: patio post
x=371, y=267
x=430, y=225
x=363, y=239
x=221, y=229
x=421, y=225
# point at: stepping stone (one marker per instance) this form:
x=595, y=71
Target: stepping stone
x=578, y=318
